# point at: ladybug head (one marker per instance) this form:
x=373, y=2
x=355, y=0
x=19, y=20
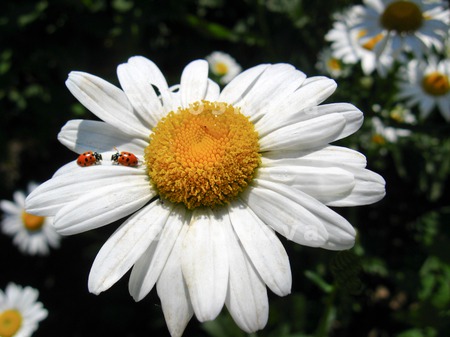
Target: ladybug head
x=115, y=156
x=97, y=156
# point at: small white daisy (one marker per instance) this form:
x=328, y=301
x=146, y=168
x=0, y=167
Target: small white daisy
x=404, y=26
x=221, y=172
x=348, y=44
x=223, y=66
x=20, y=313
x=383, y=134
x=426, y=84
x=33, y=234
x=330, y=65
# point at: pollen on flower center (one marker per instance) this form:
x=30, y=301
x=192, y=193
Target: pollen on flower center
x=220, y=68
x=436, y=84
x=402, y=17
x=32, y=222
x=334, y=64
x=371, y=43
x=10, y=322
x=204, y=155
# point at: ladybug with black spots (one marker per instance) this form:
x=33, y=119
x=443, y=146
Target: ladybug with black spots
x=89, y=158
x=125, y=158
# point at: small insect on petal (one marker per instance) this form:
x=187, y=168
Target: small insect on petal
x=89, y=158
x=125, y=158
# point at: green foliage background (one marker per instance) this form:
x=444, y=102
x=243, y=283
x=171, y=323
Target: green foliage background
x=395, y=282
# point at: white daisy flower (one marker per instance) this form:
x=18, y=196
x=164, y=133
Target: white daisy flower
x=349, y=44
x=404, y=26
x=20, y=313
x=330, y=65
x=223, y=66
x=220, y=173
x=387, y=133
x=426, y=84
x=33, y=234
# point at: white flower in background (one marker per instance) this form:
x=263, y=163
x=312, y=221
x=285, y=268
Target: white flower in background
x=404, y=26
x=330, y=65
x=426, y=84
x=383, y=134
x=221, y=172
x=348, y=44
x=31, y=233
x=223, y=66
x=20, y=313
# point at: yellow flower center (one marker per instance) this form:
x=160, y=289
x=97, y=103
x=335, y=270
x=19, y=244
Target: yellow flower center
x=10, y=322
x=32, y=222
x=371, y=43
x=220, y=68
x=203, y=155
x=334, y=64
x=402, y=17
x=378, y=139
x=436, y=84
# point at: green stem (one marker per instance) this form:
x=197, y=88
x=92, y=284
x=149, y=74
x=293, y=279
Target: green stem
x=328, y=315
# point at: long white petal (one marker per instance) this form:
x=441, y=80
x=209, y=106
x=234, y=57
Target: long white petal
x=137, y=78
x=308, y=134
x=322, y=183
x=241, y=84
x=286, y=216
x=246, y=299
x=126, y=245
x=72, y=182
x=147, y=269
x=302, y=104
x=101, y=207
x=173, y=292
x=262, y=247
x=340, y=233
x=205, y=263
x=85, y=135
x=194, y=82
x=107, y=102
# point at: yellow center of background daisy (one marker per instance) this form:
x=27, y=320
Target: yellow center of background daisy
x=220, y=68
x=402, y=17
x=371, y=43
x=334, y=64
x=436, y=84
x=10, y=322
x=203, y=155
x=32, y=222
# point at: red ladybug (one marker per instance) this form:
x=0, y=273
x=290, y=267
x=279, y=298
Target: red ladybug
x=125, y=158
x=89, y=158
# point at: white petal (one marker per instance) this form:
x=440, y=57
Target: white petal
x=298, y=106
x=247, y=295
x=107, y=102
x=137, y=78
x=369, y=188
x=126, y=245
x=172, y=290
x=328, y=156
x=341, y=234
x=325, y=184
x=276, y=80
x=212, y=92
x=205, y=263
x=9, y=207
x=241, y=84
x=147, y=269
x=312, y=133
x=262, y=247
x=101, y=207
x=85, y=135
x=194, y=82
x=286, y=216
x=72, y=182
